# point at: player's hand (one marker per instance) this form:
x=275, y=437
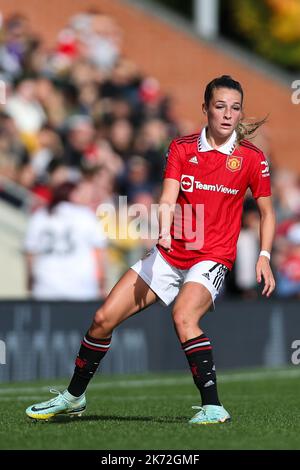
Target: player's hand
x=102, y=292
x=263, y=270
x=164, y=240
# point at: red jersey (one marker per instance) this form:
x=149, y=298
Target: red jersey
x=213, y=184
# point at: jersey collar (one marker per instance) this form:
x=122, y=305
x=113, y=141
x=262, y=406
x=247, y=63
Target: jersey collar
x=227, y=148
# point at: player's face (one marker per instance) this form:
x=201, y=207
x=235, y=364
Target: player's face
x=224, y=112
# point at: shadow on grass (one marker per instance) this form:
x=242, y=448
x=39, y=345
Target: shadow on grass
x=116, y=418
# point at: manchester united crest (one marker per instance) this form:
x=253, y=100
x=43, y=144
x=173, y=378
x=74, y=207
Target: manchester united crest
x=234, y=163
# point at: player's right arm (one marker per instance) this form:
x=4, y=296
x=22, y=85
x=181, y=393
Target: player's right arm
x=32, y=245
x=169, y=195
x=100, y=254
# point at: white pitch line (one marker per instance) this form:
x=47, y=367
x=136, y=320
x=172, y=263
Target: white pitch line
x=251, y=376
x=222, y=378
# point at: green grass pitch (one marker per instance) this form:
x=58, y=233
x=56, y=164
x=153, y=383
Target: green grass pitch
x=151, y=411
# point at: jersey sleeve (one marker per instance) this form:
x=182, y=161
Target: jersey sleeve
x=260, y=182
x=173, y=168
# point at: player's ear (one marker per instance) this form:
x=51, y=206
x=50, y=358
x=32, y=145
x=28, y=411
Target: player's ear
x=204, y=109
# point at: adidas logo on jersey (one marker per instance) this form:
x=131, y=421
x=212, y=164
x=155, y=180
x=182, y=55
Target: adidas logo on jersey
x=206, y=275
x=194, y=159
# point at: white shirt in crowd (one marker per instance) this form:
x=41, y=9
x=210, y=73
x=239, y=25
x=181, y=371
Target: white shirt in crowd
x=245, y=264
x=63, y=243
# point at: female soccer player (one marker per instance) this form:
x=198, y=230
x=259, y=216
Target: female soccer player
x=206, y=175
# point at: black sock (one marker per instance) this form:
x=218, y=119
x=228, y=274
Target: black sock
x=91, y=352
x=198, y=352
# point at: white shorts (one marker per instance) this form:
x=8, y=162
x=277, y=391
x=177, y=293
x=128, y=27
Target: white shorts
x=166, y=280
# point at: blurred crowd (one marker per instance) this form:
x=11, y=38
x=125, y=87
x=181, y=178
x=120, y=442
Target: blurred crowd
x=83, y=113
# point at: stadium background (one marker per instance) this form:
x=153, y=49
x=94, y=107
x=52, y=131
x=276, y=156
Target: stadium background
x=166, y=65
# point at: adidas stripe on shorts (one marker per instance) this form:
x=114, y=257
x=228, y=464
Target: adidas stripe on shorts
x=165, y=280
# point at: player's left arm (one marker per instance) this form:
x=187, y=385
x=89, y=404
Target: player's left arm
x=267, y=232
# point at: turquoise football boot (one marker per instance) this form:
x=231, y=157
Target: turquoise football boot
x=210, y=414
x=62, y=404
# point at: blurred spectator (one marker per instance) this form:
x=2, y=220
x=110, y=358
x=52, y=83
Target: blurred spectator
x=125, y=243
x=65, y=249
x=80, y=145
x=99, y=38
x=106, y=157
x=151, y=143
x=11, y=146
x=49, y=147
x=151, y=99
x=123, y=83
x=55, y=101
x=18, y=44
x=121, y=137
x=146, y=207
x=286, y=189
